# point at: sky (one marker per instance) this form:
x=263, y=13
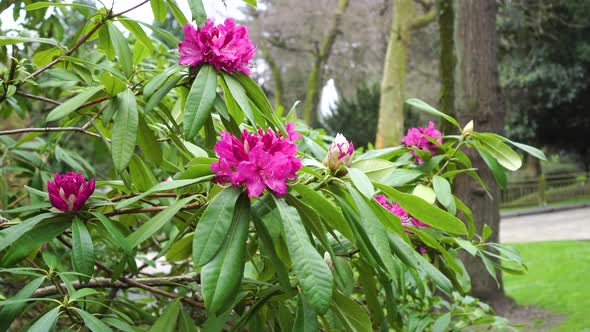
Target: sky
x=214, y=8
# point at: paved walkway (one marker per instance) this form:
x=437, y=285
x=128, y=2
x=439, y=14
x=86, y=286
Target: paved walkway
x=562, y=225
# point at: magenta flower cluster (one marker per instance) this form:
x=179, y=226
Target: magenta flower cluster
x=405, y=217
x=70, y=191
x=225, y=46
x=259, y=160
x=417, y=137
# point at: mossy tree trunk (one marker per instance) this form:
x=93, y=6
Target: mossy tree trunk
x=447, y=62
x=478, y=98
x=315, y=80
x=391, y=104
x=277, y=75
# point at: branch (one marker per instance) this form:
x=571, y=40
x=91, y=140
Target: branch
x=47, y=100
x=109, y=283
x=130, y=9
x=423, y=20
x=122, y=197
x=149, y=209
x=47, y=130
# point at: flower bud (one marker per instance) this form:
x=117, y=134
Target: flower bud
x=468, y=129
x=340, y=153
x=70, y=191
x=328, y=260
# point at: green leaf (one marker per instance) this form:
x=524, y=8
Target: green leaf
x=159, y=10
x=214, y=225
x=442, y=188
x=315, y=277
x=121, y=46
x=138, y=32
x=425, y=212
x=5, y=40
x=494, y=146
x=199, y=101
x=306, y=319
x=46, y=322
x=530, y=150
x=156, y=82
x=153, y=225
x=162, y=186
x=13, y=233
x=185, y=323
x=112, y=84
x=115, y=234
x=148, y=143
x=72, y=104
x=221, y=277
x=442, y=323
x=424, y=192
x=498, y=171
x=167, y=320
x=125, y=129
x=239, y=95
x=487, y=231
x=198, y=11
x=44, y=4
x=422, y=106
x=251, y=2
x=44, y=57
x=11, y=311
x=467, y=245
x=399, y=177
x=361, y=182
x=181, y=249
x=82, y=250
x=93, y=323
x=178, y=14
x=160, y=93
x=331, y=215
x=351, y=314
x=82, y=292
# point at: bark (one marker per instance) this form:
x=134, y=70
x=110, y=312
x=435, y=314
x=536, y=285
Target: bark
x=391, y=104
x=277, y=76
x=447, y=62
x=315, y=80
x=478, y=97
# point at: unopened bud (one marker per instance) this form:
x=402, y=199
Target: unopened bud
x=340, y=153
x=328, y=260
x=468, y=129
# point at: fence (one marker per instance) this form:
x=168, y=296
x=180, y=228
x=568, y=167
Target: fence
x=543, y=190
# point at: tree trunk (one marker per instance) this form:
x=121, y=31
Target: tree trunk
x=391, y=104
x=315, y=80
x=447, y=62
x=478, y=97
x=275, y=71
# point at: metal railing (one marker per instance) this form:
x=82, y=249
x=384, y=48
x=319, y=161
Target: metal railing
x=544, y=190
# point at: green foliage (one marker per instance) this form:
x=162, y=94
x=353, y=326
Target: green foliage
x=129, y=117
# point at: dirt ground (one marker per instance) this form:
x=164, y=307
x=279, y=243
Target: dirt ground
x=533, y=318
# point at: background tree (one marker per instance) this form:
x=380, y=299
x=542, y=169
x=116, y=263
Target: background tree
x=478, y=98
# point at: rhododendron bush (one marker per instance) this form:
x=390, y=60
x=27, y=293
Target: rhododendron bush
x=160, y=190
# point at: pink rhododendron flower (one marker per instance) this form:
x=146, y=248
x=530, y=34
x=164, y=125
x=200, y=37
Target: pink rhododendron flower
x=69, y=192
x=225, y=46
x=340, y=153
x=397, y=210
x=290, y=128
x=417, y=137
x=260, y=160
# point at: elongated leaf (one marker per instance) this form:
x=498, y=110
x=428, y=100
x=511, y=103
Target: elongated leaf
x=185, y=323
x=315, y=278
x=93, y=323
x=442, y=188
x=399, y=177
x=162, y=186
x=214, y=225
x=495, y=147
x=498, y=171
x=72, y=104
x=181, y=249
x=361, y=182
x=239, y=95
x=156, y=82
x=157, y=97
x=221, y=277
x=424, y=192
x=121, y=46
x=326, y=209
x=178, y=14
x=351, y=314
x=306, y=319
x=198, y=11
x=148, y=229
x=530, y=150
x=199, y=101
x=125, y=129
x=13, y=233
x=115, y=234
x=9, y=312
x=46, y=322
x=267, y=248
x=422, y=106
x=167, y=320
x=138, y=32
x=425, y=212
x=159, y=9
x=82, y=249
x=5, y=40
x=148, y=143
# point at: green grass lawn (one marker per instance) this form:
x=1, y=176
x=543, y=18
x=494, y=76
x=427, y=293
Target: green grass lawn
x=558, y=280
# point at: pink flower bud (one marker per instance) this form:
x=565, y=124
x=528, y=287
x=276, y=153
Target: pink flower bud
x=340, y=153
x=70, y=191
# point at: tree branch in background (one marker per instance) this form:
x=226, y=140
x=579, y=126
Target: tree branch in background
x=44, y=99
x=149, y=209
x=47, y=130
x=109, y=283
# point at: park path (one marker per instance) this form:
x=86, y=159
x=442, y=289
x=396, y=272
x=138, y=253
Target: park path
x=562, y=225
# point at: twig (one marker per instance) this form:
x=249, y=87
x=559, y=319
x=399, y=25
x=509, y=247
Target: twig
x=138, y=284
x=47, y=100
x=149, y=209
x=122, y=197
x=47, y=130
x=130, y=9
x=109, y=283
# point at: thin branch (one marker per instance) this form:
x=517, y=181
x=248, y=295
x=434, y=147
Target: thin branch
x=423, y=20
x=47, y=130
x=122, y=197
x=148, y=209
x=138, y=284
x=47, y=100
x=109, y=283
x=130, y=9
